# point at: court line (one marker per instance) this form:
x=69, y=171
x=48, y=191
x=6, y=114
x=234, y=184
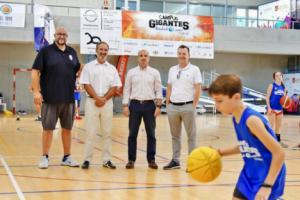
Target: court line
x=125, y=182
x=12, y=179
x=93, y=181
x=128, y=188
x=83, y=142
x=124, y=144
x=115, y=189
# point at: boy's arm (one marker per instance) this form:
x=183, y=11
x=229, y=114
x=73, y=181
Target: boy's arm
x=229, y=151
x=258, y=129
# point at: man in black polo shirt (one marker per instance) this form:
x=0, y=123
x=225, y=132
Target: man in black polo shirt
x=53, y=82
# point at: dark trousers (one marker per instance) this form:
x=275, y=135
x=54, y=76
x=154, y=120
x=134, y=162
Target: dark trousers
x=137, y=112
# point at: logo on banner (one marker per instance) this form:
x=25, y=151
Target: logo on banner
x=90, y=15
x=155, y=52
x=93, y=39
x=6, y=9
x=168, y=22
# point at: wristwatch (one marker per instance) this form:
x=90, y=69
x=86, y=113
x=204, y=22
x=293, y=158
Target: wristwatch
x=266, y=185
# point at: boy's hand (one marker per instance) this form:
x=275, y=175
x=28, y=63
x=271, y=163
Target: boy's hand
x=218, y=150
x=263, y=193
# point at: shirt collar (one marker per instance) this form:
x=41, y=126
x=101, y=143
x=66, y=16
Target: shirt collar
x=58, y=49
x=97, y=63
x=144, y=68
x=185, y=68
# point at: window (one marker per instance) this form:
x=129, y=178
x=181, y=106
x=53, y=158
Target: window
x=202, y=10
x=218, y=12
x=121, y=5
x=151, y=6
x=252, y=15
x=241, y=17
x=175, y=8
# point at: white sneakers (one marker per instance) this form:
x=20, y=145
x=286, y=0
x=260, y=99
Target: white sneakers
x=69, y=162
x=44, y=163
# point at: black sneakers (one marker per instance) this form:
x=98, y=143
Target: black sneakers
x=85, y=164
x=172, y=165
x=109, y=165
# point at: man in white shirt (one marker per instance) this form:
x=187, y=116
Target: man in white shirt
x=100, y=80
x=183, y=93
x=142, y=100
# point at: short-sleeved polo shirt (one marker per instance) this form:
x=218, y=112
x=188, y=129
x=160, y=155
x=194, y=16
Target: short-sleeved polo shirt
x=58, y=73
x=183, y=81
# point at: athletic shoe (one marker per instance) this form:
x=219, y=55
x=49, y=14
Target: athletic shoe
x=172, y=165
x=69, y=162
x=109, y=165
x=85, y=164
x=44, y=163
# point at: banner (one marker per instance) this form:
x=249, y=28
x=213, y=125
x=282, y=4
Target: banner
x=129, y=31
x=121, y=67
x=43, y=27
x=100, y=25
x=12, y=15
x=292, y=85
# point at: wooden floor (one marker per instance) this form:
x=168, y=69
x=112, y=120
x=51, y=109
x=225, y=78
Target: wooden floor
x=20, y=144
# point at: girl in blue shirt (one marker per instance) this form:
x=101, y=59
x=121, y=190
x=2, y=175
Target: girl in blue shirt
x=275, y=91
x=263, y=174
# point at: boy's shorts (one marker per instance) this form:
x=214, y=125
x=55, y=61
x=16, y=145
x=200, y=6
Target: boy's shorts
x=238, y=194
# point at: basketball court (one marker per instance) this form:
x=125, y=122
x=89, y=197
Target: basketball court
x=20, y=150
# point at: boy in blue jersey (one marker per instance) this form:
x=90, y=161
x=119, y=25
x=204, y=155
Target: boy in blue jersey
x=263, y=174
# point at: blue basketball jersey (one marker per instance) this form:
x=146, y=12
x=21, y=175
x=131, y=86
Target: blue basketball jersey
x=276, y=94
x=257, y=159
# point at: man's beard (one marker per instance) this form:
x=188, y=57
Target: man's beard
x=61, y=43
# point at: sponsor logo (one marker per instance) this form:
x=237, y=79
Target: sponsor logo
x=90, y=15
x=6, y=9
x=93, y=39
x=168, y=22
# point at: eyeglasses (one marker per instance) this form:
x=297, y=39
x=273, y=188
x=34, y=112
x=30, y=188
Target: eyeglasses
x=62, y=34
x=178, y=75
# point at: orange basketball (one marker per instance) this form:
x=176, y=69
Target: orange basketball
x=285, y=101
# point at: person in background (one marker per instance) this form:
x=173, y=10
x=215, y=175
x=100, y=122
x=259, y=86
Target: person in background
x=275, y=91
